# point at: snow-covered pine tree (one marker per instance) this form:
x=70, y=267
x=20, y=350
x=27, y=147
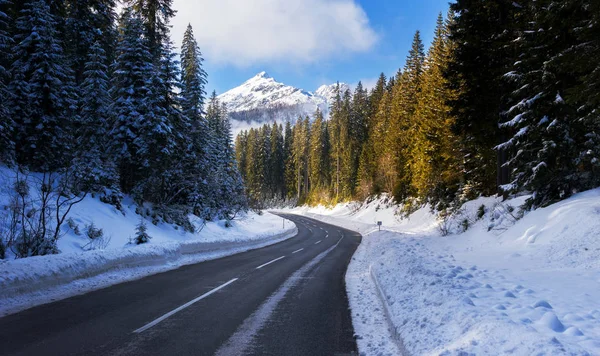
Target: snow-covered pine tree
x=156, y=15
x=548, y=130
x=88, y=22
x=288, y=144
x=232, y=186
x=169, y=182
x=225, y=182
x=141, y=232
x=131, y=95
x=193, y=76
x=276, y=164
x=93, y=157
x=6, y=121
x=193, y=80
x=582, y=61
x=43, y=99
x=482, y=31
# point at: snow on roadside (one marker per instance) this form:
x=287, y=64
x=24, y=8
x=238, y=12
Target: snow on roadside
x=37, y=280
x=530, y=287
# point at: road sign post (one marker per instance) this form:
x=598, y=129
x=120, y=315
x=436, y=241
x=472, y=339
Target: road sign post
x=379, y=225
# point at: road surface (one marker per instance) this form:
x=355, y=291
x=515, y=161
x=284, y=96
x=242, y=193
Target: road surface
x=285, y=299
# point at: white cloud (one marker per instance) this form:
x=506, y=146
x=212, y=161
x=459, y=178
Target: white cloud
x=247, y=32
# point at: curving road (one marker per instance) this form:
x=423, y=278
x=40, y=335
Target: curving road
x=285, y=299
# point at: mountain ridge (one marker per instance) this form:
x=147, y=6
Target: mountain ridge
x=261, y=99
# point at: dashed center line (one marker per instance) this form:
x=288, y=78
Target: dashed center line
x=268, y=263
x=318, y=242
x=298, y=250
x=176, y=310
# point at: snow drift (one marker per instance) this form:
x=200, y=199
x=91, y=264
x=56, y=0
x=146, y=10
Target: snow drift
x=506, y=285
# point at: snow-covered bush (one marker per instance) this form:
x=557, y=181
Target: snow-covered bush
x=141, y=235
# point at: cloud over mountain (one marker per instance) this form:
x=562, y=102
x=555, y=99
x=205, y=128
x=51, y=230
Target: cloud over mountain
x=244, y=33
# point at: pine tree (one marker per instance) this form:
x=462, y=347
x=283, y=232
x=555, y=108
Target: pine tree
x=358, y=130
x=548, y=129
x=300, y=156
x=276, y=164
x=289, y=174
x=403, y=121
x=95, y=121
x=336, y=138
x=6, y=121
x=319, y=158
x=88, y=22
x=482, y=32
x=42, y=94
x=225, y=180
x=435, y=162
x=156, y=15
x=375, y=96
x=385, y=172
x=141, y=232
x=348, y=167
x=132, y=70
x=193, y=76
x=241, y=153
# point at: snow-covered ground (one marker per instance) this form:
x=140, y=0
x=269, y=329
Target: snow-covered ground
x=36, y=280
x=504, y=286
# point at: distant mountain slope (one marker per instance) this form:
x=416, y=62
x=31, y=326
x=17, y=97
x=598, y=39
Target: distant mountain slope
x=261, y=100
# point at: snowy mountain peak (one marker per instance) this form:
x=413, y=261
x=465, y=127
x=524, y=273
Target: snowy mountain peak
x=262, y=99
x=328, y=91
x=263, y=74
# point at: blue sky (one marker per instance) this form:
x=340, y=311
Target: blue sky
x=305, y=43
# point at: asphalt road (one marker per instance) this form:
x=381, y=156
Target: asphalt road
x=285, y=299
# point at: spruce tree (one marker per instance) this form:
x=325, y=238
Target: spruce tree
x=403, y=121
x=435, y=161
x=95, y=122
x=548, y=131
x=42, y=94
x=319, y=158
x=131, y=93
x=156, y=15
x=88, y=22
x=141, y=232
x=6, y=121
x=336, y=137
x=193, y=76
x=300, y=156
x=288, y=144
x=276, y=164
x=482, y=32
x=241, y=153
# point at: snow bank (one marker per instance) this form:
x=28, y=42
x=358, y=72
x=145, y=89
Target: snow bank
x=530, y=286
x=36, y=280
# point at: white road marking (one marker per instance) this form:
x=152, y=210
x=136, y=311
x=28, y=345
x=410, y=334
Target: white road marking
x=158, y=320
x=268, y=263
x=298, y=250
x=318, y=242
x=326, y=235
x=241, y=340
